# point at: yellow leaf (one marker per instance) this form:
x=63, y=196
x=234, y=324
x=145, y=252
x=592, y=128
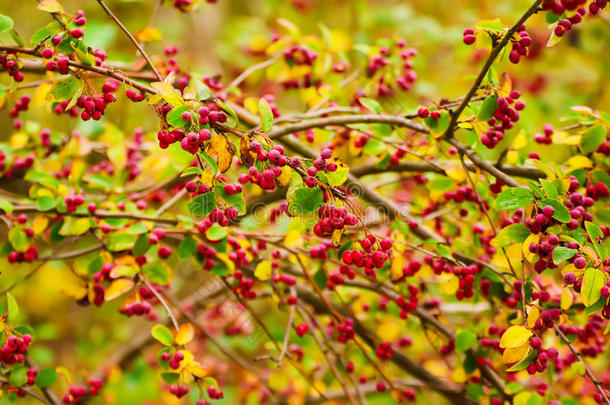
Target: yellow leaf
x=512, y=156
x=76, y=291
x=52, y=6
x=40, y=224
x=456, y=173
x=118, y=288
x=224, y=150
x=196, y=369
x=563, y=138
x=263, y=270
x=225, y=259
x=148, y=34
x=293, y=238
x=40, y=94
x=398, y=262
x=19, y=140
x=516, y=354
x=168, y=93
x=515, y=336
x=336, y=238
x=459, y=375
x=207, y=177
x=529, y=256
x=285, y=175
x=578, y=162
x=520, y=141
x=532, y=317
x=449, y=283
x=185, y=334
x=567, y=299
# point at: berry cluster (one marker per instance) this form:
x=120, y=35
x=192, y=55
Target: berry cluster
x=15, y=348
x=77, y=393
x=10, y=63
x=333, y=218
x=243, y=285
x=505, y=116
x=22, y=105
x=407, y=306
x=407, y=76
x=545, y=136
x=373, y=255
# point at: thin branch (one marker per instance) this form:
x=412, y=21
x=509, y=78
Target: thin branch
x=490, y=60
x=236, y=82
x=342, y=120
x=131, y=38
x=162, y=301
x=576, y=353
x=286, y=335
x=102, y=214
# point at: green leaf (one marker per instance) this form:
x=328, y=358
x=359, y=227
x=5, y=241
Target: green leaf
x=174, y=117
x=522, y=365
x=45, y=378
x=216, y=232
x=371, y=104
x=141, y=246
x=18, y=239
x=162, y=334
x=592, y=284
x=157, y=272
x=320, y=278
x=187, y=247
x=488, y=108
x=18, y=376
x=45, y=179
x=549, y=188
x=266, y=115
x=338, y=177
x=202, y=204
x=562, y=214
x=194, y=170
x=41, y=34
x=233, y=123
x=492, y=25
x=438, y=126
x=440, y=183
x=236, y=200
x=97, y=180
x=65, y=89
x=593, y=138
x=374, y=147
x=6, y=23
x=75, y=226
x=305, y=200
x=137, y=228
x=120, y=241
x=6, y=206
x=594, y=232
x=561, y=254
x=514, y=233
x=514, y=198
x=46, y=203
x=203, y=91
x=12, y=310
x=209, y=160
x=170, y=378
x=465, y=340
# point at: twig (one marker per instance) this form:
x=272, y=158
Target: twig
x=286, y=335
x=576, y=354
x=162, y=301
x=490, y=60
x=131, y=38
